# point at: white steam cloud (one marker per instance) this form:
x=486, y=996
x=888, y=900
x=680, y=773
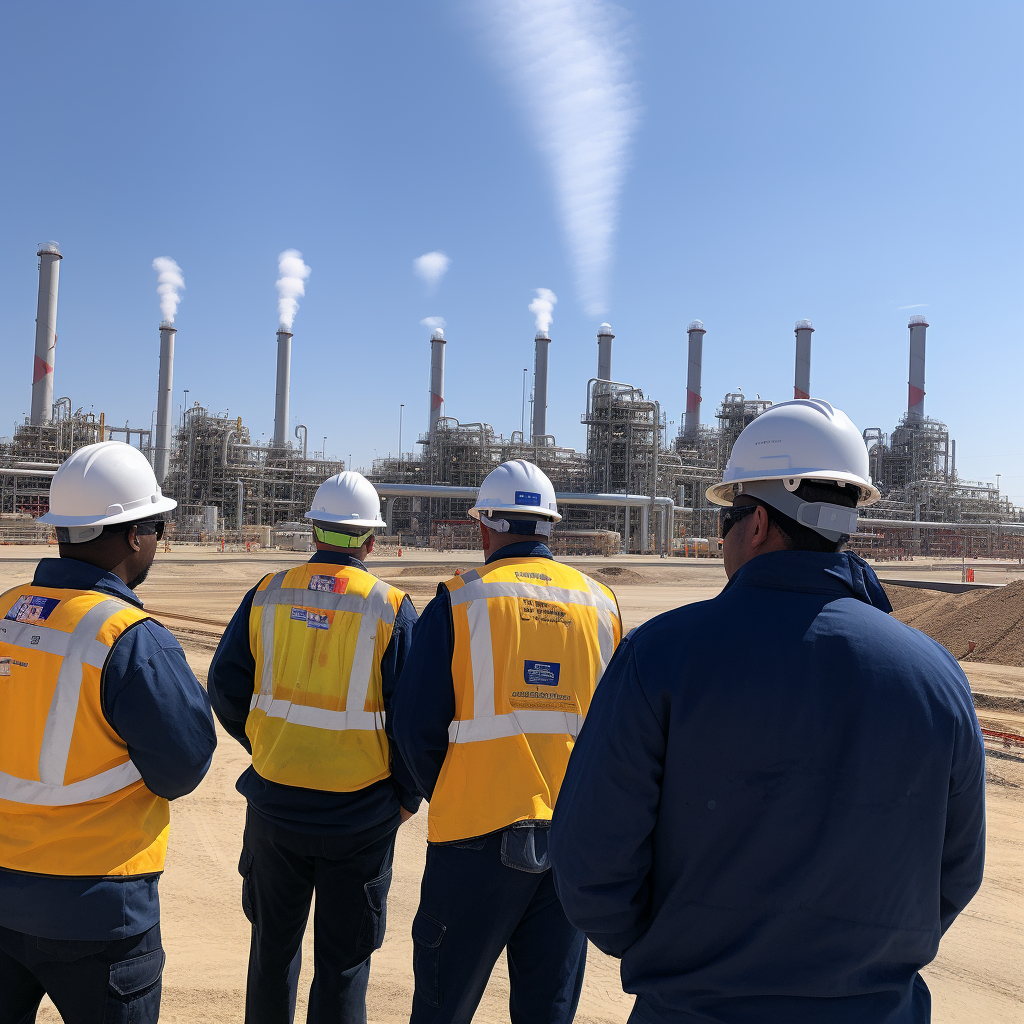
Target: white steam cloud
x=431, y=267
x=434, y=322
x=291, y=285
x=568, y=61
x=543, y=308
x=169, y=282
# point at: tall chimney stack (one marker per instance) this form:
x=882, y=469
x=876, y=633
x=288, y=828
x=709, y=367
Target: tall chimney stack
x=915, y=399
x=437, y=344
x=540, y=385
x=284, y=383
x=604, y=352
x=46, y=333
x=694, y=363
x=802, y=377
x=164, y=393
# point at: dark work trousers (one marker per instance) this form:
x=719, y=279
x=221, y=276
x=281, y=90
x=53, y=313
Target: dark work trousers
x=473, y=903
x=351, y=875
x=101, y=982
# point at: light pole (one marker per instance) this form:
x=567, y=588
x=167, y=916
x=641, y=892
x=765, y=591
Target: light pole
x=184, y=408
x=522, y=411
x=401, y=413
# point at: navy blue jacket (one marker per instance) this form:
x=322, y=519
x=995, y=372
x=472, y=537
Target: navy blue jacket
x=232, y=682
x=424, y=702
x=775, y=807
x=155, y=704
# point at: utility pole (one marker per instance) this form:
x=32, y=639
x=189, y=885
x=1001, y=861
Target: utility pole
x=401, y=412
x=522, y=413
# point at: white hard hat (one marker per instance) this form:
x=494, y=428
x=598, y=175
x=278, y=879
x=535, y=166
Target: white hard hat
x=101, y=485
x=348, y=499
x=805, y=439
x=517, y=486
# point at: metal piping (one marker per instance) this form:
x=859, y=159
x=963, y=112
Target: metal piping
x=305, y=436
x=802, y=373
x=46, y=333
x=694, y=362
x=540, y=386
x=164, y=403
x=915, y=390
x=284, y=374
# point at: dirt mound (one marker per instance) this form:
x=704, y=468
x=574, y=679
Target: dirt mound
x=992, y=619
x=610, y=575
x=906, y=597
x=445, y=571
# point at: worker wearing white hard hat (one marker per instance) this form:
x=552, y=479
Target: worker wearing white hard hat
x=777, y=806
x=102, y=723
x=503, y=667
x=303, y=679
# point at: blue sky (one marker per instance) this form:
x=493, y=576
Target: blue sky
x=848, y=163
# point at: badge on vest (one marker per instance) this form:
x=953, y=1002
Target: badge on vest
x=32, y=609
x=541, y=673
x=313, y=620
x=328, y=584
x=6, y=663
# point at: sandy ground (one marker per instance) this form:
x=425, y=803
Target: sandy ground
x=976, y=976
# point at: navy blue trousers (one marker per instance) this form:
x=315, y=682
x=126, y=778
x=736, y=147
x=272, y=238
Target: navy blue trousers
x=90, y=982
x=474, y=902
x=351, y=875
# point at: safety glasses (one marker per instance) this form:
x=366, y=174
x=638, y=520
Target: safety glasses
x=145, y=529
x=729, y=517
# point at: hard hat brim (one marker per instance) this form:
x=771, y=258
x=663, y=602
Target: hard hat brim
x=533, y=510
x=722, y=494
x=340, y=520
x=159, y=505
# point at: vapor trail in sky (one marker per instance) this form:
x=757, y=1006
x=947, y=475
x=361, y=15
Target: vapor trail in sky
x=291, y=285
x=169, y=282
x=567, y=59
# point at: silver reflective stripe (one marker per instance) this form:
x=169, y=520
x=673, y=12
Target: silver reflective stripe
x=47, y=640
x=605, y=630
x=554, y=723
x=26, y=791
x=481, y=657
x=60, y=721
x=478, y=590
x=267, y=632
x=319, y=718
x=315, y=599
x=362, y=661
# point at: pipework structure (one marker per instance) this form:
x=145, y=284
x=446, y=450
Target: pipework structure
x=164, y=398
x=802, y=374
x=284, y=383
x=46, y=333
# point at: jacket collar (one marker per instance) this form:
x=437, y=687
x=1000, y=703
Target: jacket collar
x=526, y=549
x=338, y=558
x=843, y=574
x=71, y=574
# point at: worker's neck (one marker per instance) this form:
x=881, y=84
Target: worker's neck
x=491, y=541
x=359, y=553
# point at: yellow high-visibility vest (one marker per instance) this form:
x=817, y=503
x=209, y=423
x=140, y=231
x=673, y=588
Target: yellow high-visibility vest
x=318, y=633
x=71, y=801
x=532, y=640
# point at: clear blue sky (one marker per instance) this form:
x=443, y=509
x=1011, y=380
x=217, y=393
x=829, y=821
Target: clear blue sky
x=822, y=160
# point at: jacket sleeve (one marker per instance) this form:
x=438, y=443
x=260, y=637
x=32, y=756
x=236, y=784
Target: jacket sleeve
x=153, y=701
x=423, y=704
x=601, y=835
x=231, y=680
x=395, y=656
x=963, y=849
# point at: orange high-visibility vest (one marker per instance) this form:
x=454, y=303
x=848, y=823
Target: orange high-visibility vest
x=532, y=640
x=71, y=801
x=318, y=633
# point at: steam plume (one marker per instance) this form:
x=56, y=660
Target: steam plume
x=567, y=60
x=169, y=282
x=434, y=322
x=543, y=308
x=291, y=278
x=431, y=266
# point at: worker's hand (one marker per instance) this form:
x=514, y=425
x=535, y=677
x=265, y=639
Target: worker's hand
x=405, y=815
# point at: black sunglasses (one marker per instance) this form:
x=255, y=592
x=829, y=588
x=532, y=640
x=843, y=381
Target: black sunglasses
x=145, y=529
x=729, y=517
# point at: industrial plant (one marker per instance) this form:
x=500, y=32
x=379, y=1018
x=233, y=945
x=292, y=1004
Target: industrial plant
x=635, y=487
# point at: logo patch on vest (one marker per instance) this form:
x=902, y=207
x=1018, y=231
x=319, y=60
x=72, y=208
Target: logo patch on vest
x=317, y=620
x=541, y=673
x=532, y=576
x=6, y=663
x=32, y=609
x=299, y=614
x=328, y=584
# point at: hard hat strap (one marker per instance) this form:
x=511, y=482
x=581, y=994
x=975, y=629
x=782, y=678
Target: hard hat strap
x=341, y=540
x=831, y=521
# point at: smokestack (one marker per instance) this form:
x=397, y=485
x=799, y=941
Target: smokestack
x=284, y=375
x=915, y=399
x=604, y=352
x=540, y=385
x=164, y=393
x=46, y=333
x=695, y=357
x=802, y=377
x=437, y=344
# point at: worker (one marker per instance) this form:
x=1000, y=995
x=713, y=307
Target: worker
x=303, y=679
x=776, y=807
x=102, y=723
x=503, y=667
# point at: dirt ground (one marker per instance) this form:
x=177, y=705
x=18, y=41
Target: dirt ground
x=976, y=976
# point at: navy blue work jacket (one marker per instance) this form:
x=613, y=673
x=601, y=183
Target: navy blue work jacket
x=232, y=682
x=153, y=701
x=775, y=807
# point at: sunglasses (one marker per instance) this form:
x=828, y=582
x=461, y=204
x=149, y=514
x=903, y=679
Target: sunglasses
x=145, y=529
x=729, y=517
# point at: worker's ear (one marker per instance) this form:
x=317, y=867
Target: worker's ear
x=485, y=539
x=131, y=538
x=371, y=540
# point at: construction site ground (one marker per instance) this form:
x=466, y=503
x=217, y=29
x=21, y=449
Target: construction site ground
x=976, y=976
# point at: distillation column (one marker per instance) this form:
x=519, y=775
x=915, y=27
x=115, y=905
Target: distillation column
x=164, y=394
x=46, y=333
x=694, y=364
x=604, y=352
x=915, y=399
x=437, y=344
x=540, y=386
x=802, y=377
x=284, y=382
